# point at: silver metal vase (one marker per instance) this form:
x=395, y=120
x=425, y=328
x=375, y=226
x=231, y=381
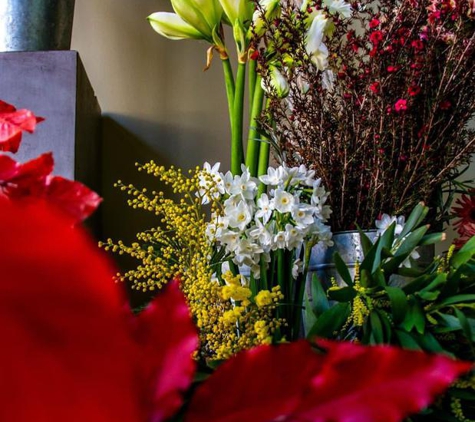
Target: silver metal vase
x=36, y=25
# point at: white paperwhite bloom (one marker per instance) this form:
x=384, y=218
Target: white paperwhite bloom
x=247, y=253
x=297, y=268
x=210, y=180
x=261, y=234
x=238, y=216
x=323, y=233
x=279, y=241
x=228, y=182
x=339, y=6
x=264, y=208
x=244, y=185
x=302, y=214
x=230, y=240
x=214, y=229
x=293, y=237
x=283, y=201
x=413, y=256
x=386, y=220
x=328, y=80
x=274, y=177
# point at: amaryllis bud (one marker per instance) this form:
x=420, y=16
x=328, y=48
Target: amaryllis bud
x=278, y=82
x=171, y=26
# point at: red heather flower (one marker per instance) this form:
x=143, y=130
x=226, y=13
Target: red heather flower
x=401, y=105
x=292, y=382
x=33, y=180
x=392, y=69
x=70, y=350
x=374, y=87
x=376, y=37
x=414, y=90
x=12, y=123
x=417, y=45
x=374, y=23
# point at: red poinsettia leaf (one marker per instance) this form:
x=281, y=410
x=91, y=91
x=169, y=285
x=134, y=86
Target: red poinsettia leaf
x=261, y=384
x=73, y=197
x=12, y=123
x=379, y=383
x=168, y=339
x=348, y=383
x=8, y=169
x=66, y=353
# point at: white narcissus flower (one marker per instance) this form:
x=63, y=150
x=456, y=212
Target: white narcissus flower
x=339, y=6
x=279, y=241
x=239, y=216
x=261, y=234
x=214, y=230
x=293, y=237
x=274, y=177
x=386, y=220
x=283, y=201
x=210, y=181
x=171, y=26
x=230, y=240
x=244, y=185
x=297, y=268
x=264, y=208
x=303, y=214
x=278, y=82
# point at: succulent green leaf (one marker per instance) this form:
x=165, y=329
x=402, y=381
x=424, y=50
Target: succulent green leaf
x=343, y=294
x=330, y=321
x=319, y=298
x=415, y=218
x=342, y=269
x=399, y=303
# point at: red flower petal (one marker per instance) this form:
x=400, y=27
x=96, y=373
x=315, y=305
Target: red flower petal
x=169, y=364
x=379, y=383
x=349, y=382
x=74, y=198
x=65, y=354
x=261, y=384
x=68, y=351
x=12, y=123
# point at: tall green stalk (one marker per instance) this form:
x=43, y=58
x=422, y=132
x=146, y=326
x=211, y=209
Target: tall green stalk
x=229, y=83
x=237, y=152
x=252, y=155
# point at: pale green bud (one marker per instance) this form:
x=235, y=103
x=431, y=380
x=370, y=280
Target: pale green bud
x=171, y=26
x=203, y=15
x=271, y=11
x=238, y=9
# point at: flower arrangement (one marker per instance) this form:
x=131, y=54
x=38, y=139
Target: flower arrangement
x=379, y=107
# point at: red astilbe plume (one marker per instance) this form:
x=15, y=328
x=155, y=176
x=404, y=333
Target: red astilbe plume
x=71, y=351
x=291, y=382
x=33, y=180
x=12, y=124
x=464, y=211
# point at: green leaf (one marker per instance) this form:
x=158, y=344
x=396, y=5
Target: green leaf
x=415, y=318
x=365, y=241
x=343, y=294
x=342, y=269
x=411, y=241
x=457, y=299
x=384, y=242
x=429, y=343
x=415, y=218
x=464, y=254
x=309, y=316
x=432, y=238
x=467, y=330
x=429, y=296
x=319, y=298
x=407, y=341
x=399, y=305
x=376, y=329
x=330, y=321
x=418, y=284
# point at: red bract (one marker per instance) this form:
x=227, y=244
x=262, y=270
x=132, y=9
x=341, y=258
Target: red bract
x=68, y=350
x=12, y=123
x=32, y=180
x=291, y=382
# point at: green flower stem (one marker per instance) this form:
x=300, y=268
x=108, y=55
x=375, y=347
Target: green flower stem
x=252, y=83
x=252, y=154
x=299, y=292
x=237, y=153
x=229, y=82
x=264, y=149
x=281, y=278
